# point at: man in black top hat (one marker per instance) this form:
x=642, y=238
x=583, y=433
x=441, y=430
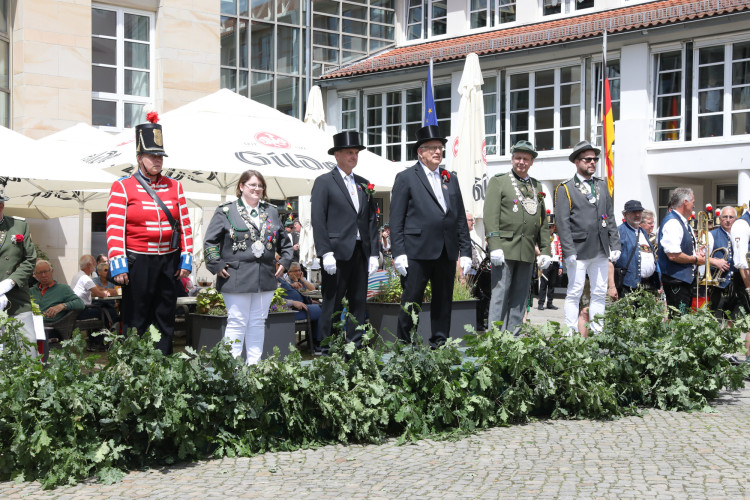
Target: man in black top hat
x=428, y=234
x=345, y=233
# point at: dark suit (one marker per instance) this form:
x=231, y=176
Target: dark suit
x=432, y=240
x=335, y=224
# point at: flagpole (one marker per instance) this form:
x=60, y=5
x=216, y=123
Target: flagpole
x=603, y=164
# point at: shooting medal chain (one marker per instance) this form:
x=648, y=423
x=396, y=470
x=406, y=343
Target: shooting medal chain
x=529, y=204
x=258, y=237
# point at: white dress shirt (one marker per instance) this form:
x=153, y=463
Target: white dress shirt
x=740, y=237
x=671, y=235
x=434, y=177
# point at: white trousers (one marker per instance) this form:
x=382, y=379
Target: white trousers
x=598, y=272
x=27, y=330
x=246, y=323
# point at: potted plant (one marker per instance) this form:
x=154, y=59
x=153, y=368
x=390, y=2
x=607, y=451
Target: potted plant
x=207, y=324
x=384, y=307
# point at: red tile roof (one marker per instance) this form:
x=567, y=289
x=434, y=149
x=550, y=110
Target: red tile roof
x=546, y=33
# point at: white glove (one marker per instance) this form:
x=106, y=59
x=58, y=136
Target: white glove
x=570, y=260
x=614, y=255
x=3, y=302
x=6, y=285
x=401, y=263
x=543, y=261
x=465, y=263
x=329, y=263
x=497, y=257
x=373, y=266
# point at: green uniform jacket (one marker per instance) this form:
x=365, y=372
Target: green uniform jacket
x=515, y=233
x=17, y=260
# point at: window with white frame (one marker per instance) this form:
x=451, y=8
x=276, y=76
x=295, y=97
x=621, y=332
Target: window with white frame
x=552, y=7
x=544, y=107
x=4, y=65
x=489, y=13
x=393, y=118
x=722, y=97
x=426, y=18
x=121, y=83
x=668, y=94
x=349, y=113
x=613, y=73
x=491, y=113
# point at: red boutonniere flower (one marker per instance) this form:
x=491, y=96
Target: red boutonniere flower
x=369, y=188
x=549, y=211
x=541, y=195
x=446, y=176
x=17, y=238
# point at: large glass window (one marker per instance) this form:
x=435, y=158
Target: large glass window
x=722, y=97
x=488, y=13
x=668, y=107
x=426, y=18
x=552, y=7
x=348, y=30
x=393, y=118
x=121, y=45
x=261, y=52
x=544, y=107
x=4, y=65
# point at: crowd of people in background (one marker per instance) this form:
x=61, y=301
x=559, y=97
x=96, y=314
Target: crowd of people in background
x=429, y=238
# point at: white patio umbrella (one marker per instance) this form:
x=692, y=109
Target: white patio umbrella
x=212, y=140
x=468, y=147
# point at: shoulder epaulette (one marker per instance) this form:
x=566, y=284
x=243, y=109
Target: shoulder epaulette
x=567, y=193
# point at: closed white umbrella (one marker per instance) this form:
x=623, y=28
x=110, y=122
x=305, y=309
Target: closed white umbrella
x=468, y=147
x=315, y=113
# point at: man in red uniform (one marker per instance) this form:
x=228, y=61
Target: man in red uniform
x=144, y=256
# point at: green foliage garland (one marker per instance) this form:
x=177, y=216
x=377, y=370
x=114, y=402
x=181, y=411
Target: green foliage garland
x=67, y=421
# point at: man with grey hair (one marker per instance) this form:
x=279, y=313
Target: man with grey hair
x=53, y=298
x=679, y=256
x=84, y=287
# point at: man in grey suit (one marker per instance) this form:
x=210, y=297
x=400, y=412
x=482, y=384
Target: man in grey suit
x=588, y=233
x=428, y=232
x=345, y=232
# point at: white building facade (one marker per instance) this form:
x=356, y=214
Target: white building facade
x=679, y=75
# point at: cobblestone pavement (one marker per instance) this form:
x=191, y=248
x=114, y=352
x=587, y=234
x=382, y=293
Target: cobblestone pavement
x=659, y=455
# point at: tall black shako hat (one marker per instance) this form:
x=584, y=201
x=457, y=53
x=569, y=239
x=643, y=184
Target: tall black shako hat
x=346, y=140
x=428, y=133
x=148, y=136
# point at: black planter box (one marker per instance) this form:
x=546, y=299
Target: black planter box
x=384, y=318
x=207, y=331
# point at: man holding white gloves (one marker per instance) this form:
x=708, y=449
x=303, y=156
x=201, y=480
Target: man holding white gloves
x=428, y=235
x=588, y=234
x=17, y=261
x=515, y=221
x=345, y=231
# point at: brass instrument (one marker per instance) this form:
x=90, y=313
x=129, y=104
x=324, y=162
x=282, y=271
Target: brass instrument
x=717, y=276
x=702, y=241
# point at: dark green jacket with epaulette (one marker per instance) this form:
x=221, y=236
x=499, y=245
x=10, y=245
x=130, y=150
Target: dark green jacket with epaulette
x=17, y=261
x=515, y=233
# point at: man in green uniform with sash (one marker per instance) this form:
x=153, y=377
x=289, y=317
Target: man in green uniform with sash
x=17, y=258
x=514, y=223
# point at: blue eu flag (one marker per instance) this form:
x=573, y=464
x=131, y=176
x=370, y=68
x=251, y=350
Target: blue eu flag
x=430, y=114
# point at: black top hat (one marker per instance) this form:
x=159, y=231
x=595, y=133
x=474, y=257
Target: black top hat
x=580, y=148
x=428, y=133
x=148, y=136
x=633, y=206
x=346, y=140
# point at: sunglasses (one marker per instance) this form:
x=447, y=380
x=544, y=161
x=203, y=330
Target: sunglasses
x=589, y=159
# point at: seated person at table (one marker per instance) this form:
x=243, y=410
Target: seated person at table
x=297, y=279
x=100, y=279
x=297, y=301
x=85, y=288
x=54, y=299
